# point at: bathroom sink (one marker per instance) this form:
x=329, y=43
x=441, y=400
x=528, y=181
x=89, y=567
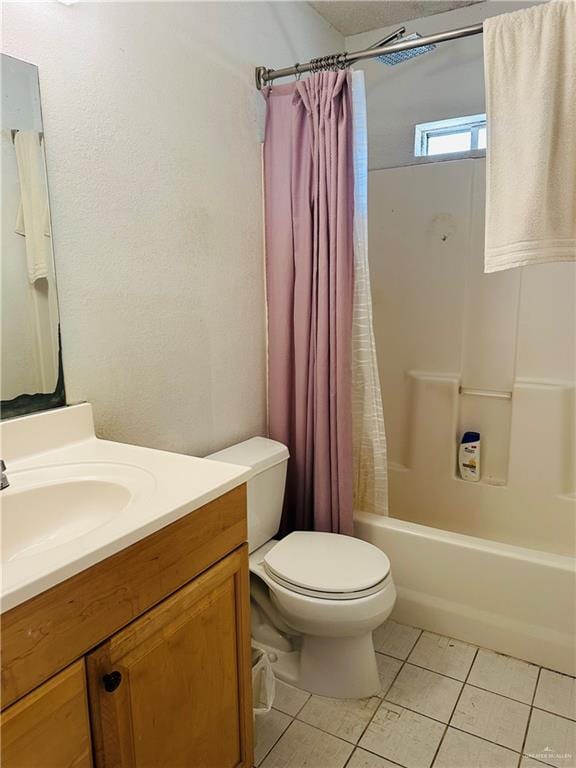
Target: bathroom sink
x=45, y=507
x=74, y=500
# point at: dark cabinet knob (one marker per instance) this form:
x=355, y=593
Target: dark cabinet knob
x=111, y=681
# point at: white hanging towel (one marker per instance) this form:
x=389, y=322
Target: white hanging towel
x=530, y=74
x=20, y=228
x=32, y=212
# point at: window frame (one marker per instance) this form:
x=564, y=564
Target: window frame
x=471, y=124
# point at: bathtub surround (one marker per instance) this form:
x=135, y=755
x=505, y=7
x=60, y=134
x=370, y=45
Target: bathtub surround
x=309, y=205
x=511, y=331
x=529, y=63
x=462, y=330
x=153, y=137
x=512, y=534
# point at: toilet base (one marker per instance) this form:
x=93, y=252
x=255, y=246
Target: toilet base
x=338, y=667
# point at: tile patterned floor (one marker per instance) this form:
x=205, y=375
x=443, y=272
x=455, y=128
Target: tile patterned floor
x=443, y=704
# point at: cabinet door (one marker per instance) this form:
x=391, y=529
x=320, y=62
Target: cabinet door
x=49, y=728
x=172, y=690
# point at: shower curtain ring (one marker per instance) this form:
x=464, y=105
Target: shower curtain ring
x=298, y=73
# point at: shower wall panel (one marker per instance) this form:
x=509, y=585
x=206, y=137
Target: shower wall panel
x=444, y=327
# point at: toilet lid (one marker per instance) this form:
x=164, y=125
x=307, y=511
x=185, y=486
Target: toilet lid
x=327, y=563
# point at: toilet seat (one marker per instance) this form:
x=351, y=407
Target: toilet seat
x=325, y=595
x=327, y=566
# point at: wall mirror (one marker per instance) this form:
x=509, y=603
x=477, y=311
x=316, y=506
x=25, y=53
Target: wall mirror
x=31, y=370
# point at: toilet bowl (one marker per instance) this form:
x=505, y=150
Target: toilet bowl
x=333, y=613
x=316, y=597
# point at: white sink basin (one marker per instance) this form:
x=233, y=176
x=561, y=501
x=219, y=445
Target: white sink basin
x=45, y=507
x=74, y=500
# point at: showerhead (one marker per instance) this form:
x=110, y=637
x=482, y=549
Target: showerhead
x=397, y=57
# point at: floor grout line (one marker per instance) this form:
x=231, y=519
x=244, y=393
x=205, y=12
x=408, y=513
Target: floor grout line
x=479, y=687
x=347, y=763
x=377, y=754
x=483, y=738
x=405, y=659
x=549, y=669
x=382, y=700
x=276, y=741
x=370, y=752
x=388, y=656
x=502, y=695
x=551, y=712
x=346, y=741
x=435, y=671
x=454, y=707
x=415, y=711
x=314, y=728
x=530, y=715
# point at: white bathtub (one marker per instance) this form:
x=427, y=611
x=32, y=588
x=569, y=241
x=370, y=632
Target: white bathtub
x=516, y=601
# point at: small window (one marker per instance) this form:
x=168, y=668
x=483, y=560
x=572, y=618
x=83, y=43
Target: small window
x=447, y=137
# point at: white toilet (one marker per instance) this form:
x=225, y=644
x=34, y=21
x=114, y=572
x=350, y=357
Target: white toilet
x=316, y=597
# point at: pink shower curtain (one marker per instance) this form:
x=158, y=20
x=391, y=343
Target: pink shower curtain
x=309, y=199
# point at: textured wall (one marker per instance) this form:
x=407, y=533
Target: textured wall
x=153, y=127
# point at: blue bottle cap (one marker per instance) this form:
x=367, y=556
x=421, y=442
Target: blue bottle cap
x=470, y=437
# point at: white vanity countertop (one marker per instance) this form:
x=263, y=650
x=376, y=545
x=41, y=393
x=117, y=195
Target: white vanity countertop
x=161, y=487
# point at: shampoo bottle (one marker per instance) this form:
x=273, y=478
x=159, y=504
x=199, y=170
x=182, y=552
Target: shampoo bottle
x=469, y=457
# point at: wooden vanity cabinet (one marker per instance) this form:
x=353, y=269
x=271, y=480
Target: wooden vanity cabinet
x=153, y=642
x=172, y=689
x=49, y=728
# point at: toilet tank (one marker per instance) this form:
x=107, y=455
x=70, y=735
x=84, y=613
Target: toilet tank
x=265, y=485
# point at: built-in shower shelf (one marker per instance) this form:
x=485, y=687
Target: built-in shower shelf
x=489, y=412
x=394, y=465
x=494, y=482
x=496, y=393
x=527, y=459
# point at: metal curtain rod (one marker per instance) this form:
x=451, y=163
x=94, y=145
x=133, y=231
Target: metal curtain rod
x=342, y=60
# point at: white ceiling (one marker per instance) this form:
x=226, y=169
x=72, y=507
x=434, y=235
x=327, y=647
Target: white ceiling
x=350, y=17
